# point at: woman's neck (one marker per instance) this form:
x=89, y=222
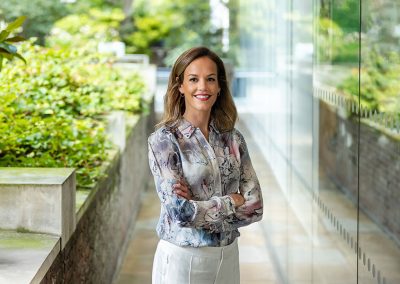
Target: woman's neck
x=200, y=121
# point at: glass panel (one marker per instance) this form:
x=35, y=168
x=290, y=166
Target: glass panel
x=379, y=225
x=265, y=53
x=334, y=149
x=301, y=132
x=278, y=131
x=336, y=141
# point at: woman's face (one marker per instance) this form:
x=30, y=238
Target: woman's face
x=200, y=86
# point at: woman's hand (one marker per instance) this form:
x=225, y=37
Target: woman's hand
x=182, y=190
x=238, y=199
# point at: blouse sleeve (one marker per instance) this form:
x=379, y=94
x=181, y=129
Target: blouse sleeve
x=252, y=210
x=166, y=167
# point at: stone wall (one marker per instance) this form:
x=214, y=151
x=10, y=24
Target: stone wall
x=379, y=167
x=93, y=253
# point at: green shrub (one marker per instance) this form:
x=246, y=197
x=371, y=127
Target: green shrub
x=150, y=31
x=52, y=110
x=335, y=46
x=347, y=53
x=86, y=30
x=59, y=141
x=379, y=83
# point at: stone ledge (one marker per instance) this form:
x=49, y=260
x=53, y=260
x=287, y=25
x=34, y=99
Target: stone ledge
x=26, y=257
x=34, y=176
x=39, y=200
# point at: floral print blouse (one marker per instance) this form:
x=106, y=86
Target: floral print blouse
x=212, y=169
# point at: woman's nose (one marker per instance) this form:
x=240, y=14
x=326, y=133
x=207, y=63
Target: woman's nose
x=202, y=84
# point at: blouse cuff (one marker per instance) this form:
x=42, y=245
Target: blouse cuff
x=195, y=210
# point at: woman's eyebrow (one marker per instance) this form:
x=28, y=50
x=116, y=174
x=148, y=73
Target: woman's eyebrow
x=195, y=75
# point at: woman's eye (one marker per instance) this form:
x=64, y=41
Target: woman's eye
x=211, y=79
x=193, y=79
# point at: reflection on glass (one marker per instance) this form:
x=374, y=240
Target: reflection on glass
x=379, y=238
x=336, y=34
x=331, y=122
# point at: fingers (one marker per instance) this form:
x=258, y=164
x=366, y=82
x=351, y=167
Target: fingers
x=183, y=194
x=238, y=199
x=182, y=190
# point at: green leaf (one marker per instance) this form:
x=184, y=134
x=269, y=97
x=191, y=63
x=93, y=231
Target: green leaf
x=15, y=39
x=3, y=35
x=4, y=51
x=17, y=23
x=20, y=57
x=8, y=48
x=6, y=55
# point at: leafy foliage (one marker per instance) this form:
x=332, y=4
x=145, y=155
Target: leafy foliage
x=330, y=37
x=338, y=26
x=7, y=49
x=345, y=13
x=41, y=14
x=338, y=43
x=379, y=83
x=84, y=31
x=334, y=45
x=54, y=142
x=52, y=112
x=79, y=6
x=151, y=31
x=173, y=26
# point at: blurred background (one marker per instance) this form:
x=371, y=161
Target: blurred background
x=317, y=86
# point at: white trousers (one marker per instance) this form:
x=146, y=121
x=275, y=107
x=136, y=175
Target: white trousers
x=188, y=265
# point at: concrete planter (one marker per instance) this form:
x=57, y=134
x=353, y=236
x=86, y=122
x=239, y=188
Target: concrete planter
x=104, y=221
x=45, y=239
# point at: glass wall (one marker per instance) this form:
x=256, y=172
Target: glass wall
x=323, y=101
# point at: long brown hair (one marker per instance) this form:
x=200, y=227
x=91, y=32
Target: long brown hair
x=223, y=111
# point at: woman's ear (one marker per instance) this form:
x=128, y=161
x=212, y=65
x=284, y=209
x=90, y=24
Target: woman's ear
x=180, y=85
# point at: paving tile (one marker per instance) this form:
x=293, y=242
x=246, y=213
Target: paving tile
x=257, y=272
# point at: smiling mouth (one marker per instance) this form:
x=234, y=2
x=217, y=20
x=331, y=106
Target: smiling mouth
x=202, y=97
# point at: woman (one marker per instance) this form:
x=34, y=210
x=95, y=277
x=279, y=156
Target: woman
x=203, y=175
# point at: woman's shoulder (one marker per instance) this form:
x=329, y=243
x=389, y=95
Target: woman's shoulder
x=236, y=135
x=162, y=133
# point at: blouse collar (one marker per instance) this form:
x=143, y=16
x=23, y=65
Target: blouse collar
x=187, y=129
